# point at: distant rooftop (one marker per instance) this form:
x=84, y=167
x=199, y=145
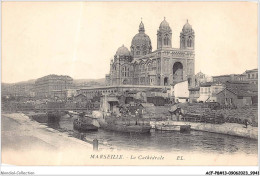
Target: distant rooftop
x=194, y=88
x=228, y=75
x=123, y=86
x=236, y=82
x=253, y=70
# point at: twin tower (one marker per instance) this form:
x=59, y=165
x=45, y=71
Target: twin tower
x=141, y=43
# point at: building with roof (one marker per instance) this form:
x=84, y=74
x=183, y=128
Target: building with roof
x=231, y=77
x=131, y=90
x=181, y=92
x=237, y=95
x=204, y=92
x=52, y=85
x=230, y=93
x=201, y=78
x=162, y=67
x=208, y=91
x=252, y=76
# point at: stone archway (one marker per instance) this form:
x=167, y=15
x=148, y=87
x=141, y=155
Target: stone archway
x=177, y=71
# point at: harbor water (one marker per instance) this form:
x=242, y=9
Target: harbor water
x=195, y=141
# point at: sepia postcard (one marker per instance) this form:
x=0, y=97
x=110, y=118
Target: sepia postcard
x=129, y=84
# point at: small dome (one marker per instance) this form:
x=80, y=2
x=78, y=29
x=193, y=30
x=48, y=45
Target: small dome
x=164, y=25
x=123, y=51
x=187, y=26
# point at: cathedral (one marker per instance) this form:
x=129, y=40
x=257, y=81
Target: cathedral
x=162, y=67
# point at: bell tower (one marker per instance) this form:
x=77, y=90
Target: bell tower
x=187, y=37
x=164, y=35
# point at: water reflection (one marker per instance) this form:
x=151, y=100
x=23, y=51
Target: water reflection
x=161, y=141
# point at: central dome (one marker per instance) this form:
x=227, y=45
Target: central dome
x=123, y=51
x=141, y=39
x=141, y=43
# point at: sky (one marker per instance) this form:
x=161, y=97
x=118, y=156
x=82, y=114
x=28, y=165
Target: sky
x=80, y=38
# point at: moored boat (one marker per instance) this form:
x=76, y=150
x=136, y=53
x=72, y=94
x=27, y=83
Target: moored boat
x=84, y=123
x=168, y=127
x=126, y=127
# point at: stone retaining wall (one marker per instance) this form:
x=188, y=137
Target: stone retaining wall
x=226, y=128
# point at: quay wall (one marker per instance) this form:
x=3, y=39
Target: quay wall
x=226, y=128
x=58, y=139
x=249, y=113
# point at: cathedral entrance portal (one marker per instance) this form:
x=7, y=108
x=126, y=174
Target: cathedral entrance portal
x=177, y=70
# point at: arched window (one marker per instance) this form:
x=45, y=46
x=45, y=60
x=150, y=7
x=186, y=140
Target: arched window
x=189, y=41
x=183, y=42
x=154, y=65
x=165, y=41
x=123, y=71
x=143, y=68
x=160, y=41
x=149, y=67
